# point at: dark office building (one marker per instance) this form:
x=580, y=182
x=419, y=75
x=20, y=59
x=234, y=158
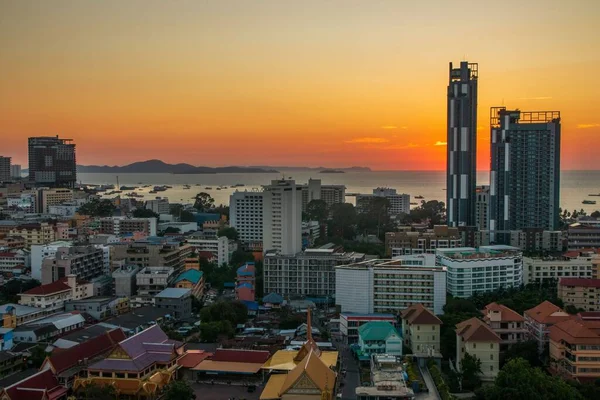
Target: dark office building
x=462, y=145
x=52, y=161
x=525, y=170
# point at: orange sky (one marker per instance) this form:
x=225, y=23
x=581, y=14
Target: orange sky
x=276, y=82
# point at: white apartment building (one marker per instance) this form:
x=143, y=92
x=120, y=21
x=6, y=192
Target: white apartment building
x=246, y=215
x=574, y=264
x=53, y=197
x=282, y=217
x=67, y=209
x=482, y=207
x=11, y=259
x=153, y=280
x=53, y=296
x=480, y=270
x=123, y=225
x=160, y=205
x=330, y=194
x=399, y=203
x=41, y=251
x=309, y=273
x=25, y=201
x=389, y=286
x=219, y=247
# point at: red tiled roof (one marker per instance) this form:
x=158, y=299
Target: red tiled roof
x=92, y=348
x=242, y=356
x=419, y=315
x=546, y=313
x=506, y=314
x=8, y=254
x=50, y=288
x=192, y=358
x=582, y=282
x=475, y=330
x=206, y=254
x=32, y=388
x=574, y=331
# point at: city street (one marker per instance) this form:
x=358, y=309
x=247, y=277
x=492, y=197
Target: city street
x=352, y=378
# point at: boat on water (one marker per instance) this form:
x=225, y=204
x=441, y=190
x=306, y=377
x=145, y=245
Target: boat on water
x=414, y=204
x=588, y=202
x=152, y=192
x=208, y=188
x=160, y=188
x=419, y=197
x=596, y=195
x=128, y=187
x=218, y=188
x=238, y=185
x=186, y=186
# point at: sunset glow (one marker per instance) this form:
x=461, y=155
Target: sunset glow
x=307, y=83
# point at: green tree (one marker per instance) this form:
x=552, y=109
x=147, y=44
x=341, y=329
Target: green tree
x=376, y=218
x=317, y=210
x=239, y=257
x=343, y=220
x=210, y=331
x=229, y=232
x=518, y=380
x=595, y=214
x=94, y=391
x=433, y=211
x=527, y=350
x=234, y=312
x=38, y=355
x=470, y=367
x=9, y=292
x=203, y=202
x=144, y=213
x=179, y=390
x=97, y=208
x=187, y=216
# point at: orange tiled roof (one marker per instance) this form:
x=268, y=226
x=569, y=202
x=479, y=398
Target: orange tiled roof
x=314, y=369
x=574, y=331
x=546, y=313
x=418, y=314
x=192, y=358
x=506, y=314
x=475, y=330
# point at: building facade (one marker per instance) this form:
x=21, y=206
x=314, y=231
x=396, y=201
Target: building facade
x=330, y=194
x=583, y=294
x=160, y=205
x=34, y=233
x=153, y=280
x=399, y=203
x=350, y=322
x=52, y=161
x=482, y=207
x=53, y=296
x=379, y=337
x=246, y=216
x=86, y=262
x=389, y=286
x=124, y=226
x=52, y=197
x=539, y=319
x=421, y=331
x=481, y=270
x=413, y=242
x=462, y=144
x=474, y=337
x=550, y=269
x=163, y=253
x=178, y=301
x=508, y=324
x=525, y=170
x=282, y=217
x=5, y=169
x=583, y=235
x=218, y=247
x=309, y=273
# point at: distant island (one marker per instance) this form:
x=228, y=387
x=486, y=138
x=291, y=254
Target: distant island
x=332, y=171
x=347, y=169
x=160, y=167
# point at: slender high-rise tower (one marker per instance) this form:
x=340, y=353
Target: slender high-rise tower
x=525, y=171
x=462, y=145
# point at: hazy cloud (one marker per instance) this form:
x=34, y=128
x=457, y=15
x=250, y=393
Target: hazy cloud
x=536, y=98
x=438, y=143
x=400, y=146
x=393, y=127
x=368, y=140
x=585, y=126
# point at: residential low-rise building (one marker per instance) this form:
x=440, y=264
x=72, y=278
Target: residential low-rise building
x=11, y=259
x=123, y=225
x=177, y=301
x=474, y=337
x=539, y=319
x=583, y=235
x=99, y=307
x=481, y=270
x=48, y=328
x=421, y=331
x=152, y=280
x=574, y=264
x=575, y=347
x=52, y=197
x=40, y=252
x=218, y=247
x=14, y=315
x=398, y=203
x=413, y=242
x=508, y=324
x=124, y=278
x=350, y=322
x=193, y=280
x=160, y=205
x=34, y=233
x=389, y=286
x=53, y=296
x=159, y=252
x=379, y=337
x=245, y=281
x=87, y=262
x=583, y=294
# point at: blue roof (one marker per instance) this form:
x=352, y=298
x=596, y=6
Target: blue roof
x=246, y=285
x=243, y=270
x=229, y=284
x=251, y=305
x=192, y=275
x=273, y=298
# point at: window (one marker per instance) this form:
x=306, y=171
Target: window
x=491, y=368
x=474, y=345
x=491, y=345
x=491, y=356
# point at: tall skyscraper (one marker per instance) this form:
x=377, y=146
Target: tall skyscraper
x=5, y=169
x=52, y=161
x=525, y=170
x=461, y=145
x=282, y=217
